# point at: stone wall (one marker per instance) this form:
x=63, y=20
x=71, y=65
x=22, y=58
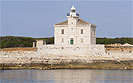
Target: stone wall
x=76, y=50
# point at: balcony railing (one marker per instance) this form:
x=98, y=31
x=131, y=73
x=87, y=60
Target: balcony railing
x=69, y=14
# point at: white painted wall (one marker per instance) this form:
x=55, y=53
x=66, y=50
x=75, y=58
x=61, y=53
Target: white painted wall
x=89, y=35
x=40, y=43
x=93, y=35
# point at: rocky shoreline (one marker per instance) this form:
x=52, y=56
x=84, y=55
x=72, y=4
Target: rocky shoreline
x=95, y=64
x=32, y=58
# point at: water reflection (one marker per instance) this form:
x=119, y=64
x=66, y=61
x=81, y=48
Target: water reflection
x=67, y=76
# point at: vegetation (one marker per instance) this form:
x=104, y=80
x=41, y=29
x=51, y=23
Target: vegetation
x=11, y=41
x=122, y=40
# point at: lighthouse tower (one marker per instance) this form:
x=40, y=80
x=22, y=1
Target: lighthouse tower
x=72, y=17
x=74, y=31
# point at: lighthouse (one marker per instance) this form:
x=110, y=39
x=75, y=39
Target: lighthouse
x=74, y=31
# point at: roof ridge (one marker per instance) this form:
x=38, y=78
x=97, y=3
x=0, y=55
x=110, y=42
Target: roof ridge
x=80, y=21
x=64, y=22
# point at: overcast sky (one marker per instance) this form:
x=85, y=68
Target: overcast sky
x=35, y=18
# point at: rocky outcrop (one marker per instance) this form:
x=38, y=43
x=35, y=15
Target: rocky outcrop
x=72, y=64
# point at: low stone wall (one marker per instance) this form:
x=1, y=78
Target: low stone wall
x=69, y=50
x=119, y=48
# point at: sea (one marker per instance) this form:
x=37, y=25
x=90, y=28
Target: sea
x=66, y=76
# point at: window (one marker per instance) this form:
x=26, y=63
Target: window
x=73, y=10
x=94, y=33
x=62, y=31
x=81, y=31
x=82, y=40
x=62, y=40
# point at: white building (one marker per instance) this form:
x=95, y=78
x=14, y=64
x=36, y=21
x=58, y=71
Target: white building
x=72, y=37
x=74, y=31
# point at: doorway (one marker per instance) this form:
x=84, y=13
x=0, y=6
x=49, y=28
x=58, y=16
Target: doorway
x=71, y=41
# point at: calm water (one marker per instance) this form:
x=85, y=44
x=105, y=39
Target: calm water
x=66, y=76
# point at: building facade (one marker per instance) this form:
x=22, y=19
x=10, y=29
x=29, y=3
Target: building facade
x=74, y=31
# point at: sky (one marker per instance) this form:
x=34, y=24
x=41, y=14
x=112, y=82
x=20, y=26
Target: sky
x=36, y=18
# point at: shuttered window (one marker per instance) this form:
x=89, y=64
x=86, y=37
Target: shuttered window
x=81, y=31
x=62, y=40
x=82, y=40
x=62, y=31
